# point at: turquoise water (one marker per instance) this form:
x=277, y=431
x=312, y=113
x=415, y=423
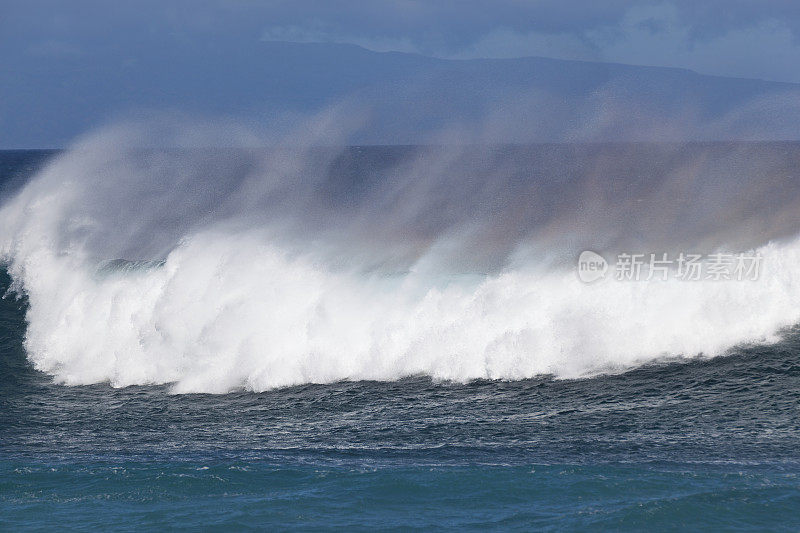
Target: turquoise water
x=252, y=494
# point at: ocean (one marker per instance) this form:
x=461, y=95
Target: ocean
x=395, y=338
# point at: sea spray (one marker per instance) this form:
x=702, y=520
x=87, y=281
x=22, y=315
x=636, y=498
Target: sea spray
x=254, y=269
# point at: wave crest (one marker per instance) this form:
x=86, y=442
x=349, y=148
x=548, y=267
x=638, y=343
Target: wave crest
x=264, y=273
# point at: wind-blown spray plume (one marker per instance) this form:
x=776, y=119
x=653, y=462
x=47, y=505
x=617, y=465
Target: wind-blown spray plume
x=220, y=269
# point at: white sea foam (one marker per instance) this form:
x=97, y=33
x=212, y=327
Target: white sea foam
x=231, y=311
x=238, y=304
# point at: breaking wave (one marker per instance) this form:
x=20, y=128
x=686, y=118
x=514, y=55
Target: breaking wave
x=223, y=269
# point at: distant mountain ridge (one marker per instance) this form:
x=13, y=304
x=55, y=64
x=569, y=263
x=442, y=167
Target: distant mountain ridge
x=406, y=97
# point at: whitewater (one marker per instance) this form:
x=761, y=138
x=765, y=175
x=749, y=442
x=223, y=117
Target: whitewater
x=253, y=269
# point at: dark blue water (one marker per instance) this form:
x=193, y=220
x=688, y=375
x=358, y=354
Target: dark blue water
x=702, y=445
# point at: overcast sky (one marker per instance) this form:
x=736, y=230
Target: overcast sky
x=759, y=39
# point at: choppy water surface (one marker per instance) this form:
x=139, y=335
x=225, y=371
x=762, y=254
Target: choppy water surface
x=674, y=440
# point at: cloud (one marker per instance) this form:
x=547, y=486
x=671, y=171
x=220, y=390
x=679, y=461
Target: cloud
x=659, y=36
x=317, y=32
x=746, y=38
x=506, y=43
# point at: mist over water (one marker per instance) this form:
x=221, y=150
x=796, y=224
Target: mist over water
x=312, y=262
x=285, y=265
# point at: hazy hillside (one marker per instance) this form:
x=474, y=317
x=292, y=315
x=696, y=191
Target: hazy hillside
x=406, y=96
